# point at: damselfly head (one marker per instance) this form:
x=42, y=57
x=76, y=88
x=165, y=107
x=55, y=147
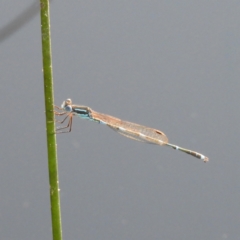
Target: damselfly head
x=67, y=105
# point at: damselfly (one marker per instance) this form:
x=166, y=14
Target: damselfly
x=127, y=129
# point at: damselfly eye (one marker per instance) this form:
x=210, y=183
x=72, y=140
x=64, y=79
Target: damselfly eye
x=68, y=101
x=66, y=104
x=68, y=108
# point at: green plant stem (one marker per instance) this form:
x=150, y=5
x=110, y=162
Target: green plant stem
x=50, y=124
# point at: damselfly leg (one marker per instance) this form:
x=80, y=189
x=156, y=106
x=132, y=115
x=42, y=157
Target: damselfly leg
x=69, y=125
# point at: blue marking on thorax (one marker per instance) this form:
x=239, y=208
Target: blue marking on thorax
x=83, y=113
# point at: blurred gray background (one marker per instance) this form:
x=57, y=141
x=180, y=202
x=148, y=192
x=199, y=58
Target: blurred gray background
x=171, y=65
